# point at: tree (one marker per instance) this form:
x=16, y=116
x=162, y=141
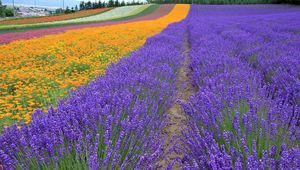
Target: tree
x=88, y=5
x=104, y=4
x=76, y=8
x=67, y=11
x=1, y=10
x=81, y=5
x=6, y=12
x=2, y=13
x=123, y=3
x=110, y=3
x=117, y=3
x=99, y=4
x=9, y=12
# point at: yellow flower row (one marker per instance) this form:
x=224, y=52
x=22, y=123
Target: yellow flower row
x=36, y=73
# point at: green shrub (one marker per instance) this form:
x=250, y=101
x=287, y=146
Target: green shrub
x=9, y=12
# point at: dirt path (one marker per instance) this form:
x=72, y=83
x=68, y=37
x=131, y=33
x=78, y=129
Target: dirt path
x=176, y=118
x=13, y=36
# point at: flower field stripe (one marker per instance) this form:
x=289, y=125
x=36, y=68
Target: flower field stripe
x=236, y=119
x=145, y=12
x=31, y=20
x=114, y=122
x=13, y=36
x=115, y=13
x=36, y=78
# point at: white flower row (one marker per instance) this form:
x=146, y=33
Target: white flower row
x=113, y=14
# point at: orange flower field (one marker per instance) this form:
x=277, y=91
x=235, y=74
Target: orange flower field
x=79, y=14
x=36, y=73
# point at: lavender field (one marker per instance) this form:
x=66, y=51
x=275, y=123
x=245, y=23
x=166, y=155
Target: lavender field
x=245, y=65
x=218, y=90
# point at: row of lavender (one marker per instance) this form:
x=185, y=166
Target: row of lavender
x=113, y=123
x=246, y=69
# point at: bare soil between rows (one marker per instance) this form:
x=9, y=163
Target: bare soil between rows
x=176, y=118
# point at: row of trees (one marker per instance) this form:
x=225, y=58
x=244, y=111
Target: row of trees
x=226, y=1
x=111, y=3
x=5, y=11
x=97, y=4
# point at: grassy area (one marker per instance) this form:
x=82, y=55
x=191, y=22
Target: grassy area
x=149, y=9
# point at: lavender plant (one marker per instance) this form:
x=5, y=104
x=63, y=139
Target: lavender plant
x=236, y=119
x=115, y=122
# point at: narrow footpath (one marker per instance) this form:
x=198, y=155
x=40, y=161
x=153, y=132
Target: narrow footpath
x=177, y=121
